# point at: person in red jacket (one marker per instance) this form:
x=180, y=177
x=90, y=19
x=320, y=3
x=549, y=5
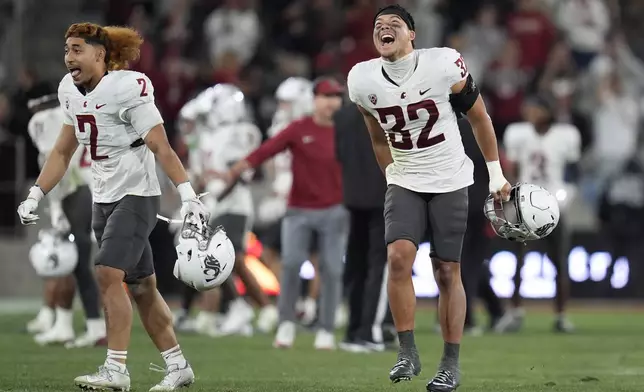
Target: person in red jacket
x=315, y=205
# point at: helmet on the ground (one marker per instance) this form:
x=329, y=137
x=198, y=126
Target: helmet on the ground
x=53, y=256
x=205, y=258
x=531, y=213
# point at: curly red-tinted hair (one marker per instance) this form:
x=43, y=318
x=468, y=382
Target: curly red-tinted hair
x=123, y=44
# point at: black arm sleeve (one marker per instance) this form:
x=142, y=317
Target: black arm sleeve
x=465, y=99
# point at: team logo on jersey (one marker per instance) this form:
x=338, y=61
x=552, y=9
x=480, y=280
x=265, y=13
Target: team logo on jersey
x=403, y=95
x=373, y=99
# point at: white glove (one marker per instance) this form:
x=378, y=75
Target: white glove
x=499, y=186
x=27, y=208
x=191, y=206
x=58, y=219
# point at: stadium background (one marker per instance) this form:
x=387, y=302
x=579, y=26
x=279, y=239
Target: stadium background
x=511, y=52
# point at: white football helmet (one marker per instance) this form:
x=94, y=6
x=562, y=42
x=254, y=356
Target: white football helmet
x=205, y=259
x=53, y=256
x=531, y=213
x=295, y=96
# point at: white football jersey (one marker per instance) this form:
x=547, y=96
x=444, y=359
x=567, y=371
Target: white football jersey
x=542, y=158
x=217, y=151
x=107, y=120
x=418, y=119
x=44, y=128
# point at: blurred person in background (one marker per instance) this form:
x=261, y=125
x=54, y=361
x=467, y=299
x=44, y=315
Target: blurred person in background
x=585, y=24
x=534, y=32
x=365, y=272
x=621, y=213
x=483, y=40
x=233, y=27
x=29, y=87
x=216, y=123
x=543, y=152
x=70, y=206
x=615, y=128
x=476, y=243
x=315, y=206
x=505, y=85
x=295, y=101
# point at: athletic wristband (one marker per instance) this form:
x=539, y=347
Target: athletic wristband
x=495, y=171
x=186, y=192
x=36, y=193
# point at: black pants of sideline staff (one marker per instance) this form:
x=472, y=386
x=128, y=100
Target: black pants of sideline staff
x=475, y=273
x=365, y=276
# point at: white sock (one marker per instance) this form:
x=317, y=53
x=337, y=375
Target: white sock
x=64, y=319
x=96, y=327
x=174, y=356
x=115, y=360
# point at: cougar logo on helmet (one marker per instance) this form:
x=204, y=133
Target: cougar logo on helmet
x=212, y=268
x=545, y=229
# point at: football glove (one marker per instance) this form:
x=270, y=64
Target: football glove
x=191, y=206
x=27, y=208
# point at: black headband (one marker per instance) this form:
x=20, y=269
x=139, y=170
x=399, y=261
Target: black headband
x=398, y=11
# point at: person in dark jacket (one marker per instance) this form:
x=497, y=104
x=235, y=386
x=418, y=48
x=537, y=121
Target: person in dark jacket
x=476, y=276
x=364, y=189
x=621, y=213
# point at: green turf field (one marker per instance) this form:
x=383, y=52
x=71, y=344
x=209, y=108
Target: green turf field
x=607, y=354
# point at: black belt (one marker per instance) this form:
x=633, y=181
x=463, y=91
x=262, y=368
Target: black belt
x=137, y=143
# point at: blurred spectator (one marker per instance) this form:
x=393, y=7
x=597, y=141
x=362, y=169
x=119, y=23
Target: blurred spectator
x=504, y=85
x=615, y=130
x=559, y=80
x=621, y=213
x=234, y=27
x=429, y=24
x=29, y=87
x=585, y=24
x=172, y=89
x=534, y=32
x=483, y=40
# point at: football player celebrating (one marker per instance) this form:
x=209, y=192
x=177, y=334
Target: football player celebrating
x=543, y=152
x=410, y=99
x=111, y=112
x=224, y=136
x=70, y=209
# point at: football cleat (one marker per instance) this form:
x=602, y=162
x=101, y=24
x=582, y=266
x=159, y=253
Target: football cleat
x=107, y=378
x=267, y=319
x=285, y=335
x=324, y=340
x=87, y=340
x=175, y=377
x=54, y=336
x=407, y=367
x=443, y=381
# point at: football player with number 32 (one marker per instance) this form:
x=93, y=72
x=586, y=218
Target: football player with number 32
x=111, y=111
x=410, y=99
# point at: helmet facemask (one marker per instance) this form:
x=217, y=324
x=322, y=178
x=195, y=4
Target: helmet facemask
x=203, y=236
x=506, y=218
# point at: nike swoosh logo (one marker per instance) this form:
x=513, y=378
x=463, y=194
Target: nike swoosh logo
x=100, y=106
x=422, y=92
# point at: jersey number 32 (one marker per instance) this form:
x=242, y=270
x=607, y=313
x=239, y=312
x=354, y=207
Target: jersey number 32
x=404, y=142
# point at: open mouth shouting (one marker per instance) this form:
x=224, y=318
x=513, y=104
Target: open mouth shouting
x=387, y=39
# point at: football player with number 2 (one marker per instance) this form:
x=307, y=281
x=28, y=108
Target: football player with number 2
x=111, y=111
x=410, y=99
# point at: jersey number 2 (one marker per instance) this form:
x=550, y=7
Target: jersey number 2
x=88, y=119
x=398, y=114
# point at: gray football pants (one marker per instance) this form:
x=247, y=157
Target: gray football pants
x=332, y=227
